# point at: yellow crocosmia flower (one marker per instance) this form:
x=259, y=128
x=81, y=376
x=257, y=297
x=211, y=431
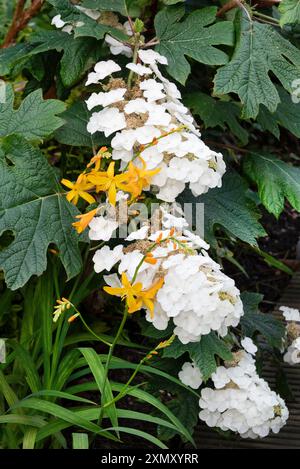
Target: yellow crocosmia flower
x=135, y=297
x=139, y=178
x=96, y=160
x=84, y=220
x=79, y=189
x=109, y=182
x=149, y=295
x=130, y=292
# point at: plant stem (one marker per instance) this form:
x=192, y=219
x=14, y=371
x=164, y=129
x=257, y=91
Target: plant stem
x=92, y=332
x=97, y=246
x=20, y=19
x=227, y=146
x=109, y=357
x=266, y=17
x=89, y=329
x=124, y=389
x=135, y=57
x=151, y=144
x=227, y=7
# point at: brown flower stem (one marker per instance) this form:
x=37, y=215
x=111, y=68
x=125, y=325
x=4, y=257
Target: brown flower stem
x=227, y=146
x=20, y=20
x=228, y=6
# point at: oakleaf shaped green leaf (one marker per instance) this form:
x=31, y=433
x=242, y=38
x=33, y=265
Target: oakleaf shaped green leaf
x=35, y=119
x=230, y=208
x=74, y=131
x=84, y=25
x=259, y=50
x=34, y=209
x=275, y=180
x=107, y=5
x=271, y=328
x=287, y=115
x=289, y=12
x=195, y=37
x=203, y=353
x=217, y=113
x=78, y=53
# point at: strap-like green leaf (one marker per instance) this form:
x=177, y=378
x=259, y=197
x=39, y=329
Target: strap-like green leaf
x=80, y=441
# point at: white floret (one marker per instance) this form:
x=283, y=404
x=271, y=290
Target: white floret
x=190, y=375
x=241, y=401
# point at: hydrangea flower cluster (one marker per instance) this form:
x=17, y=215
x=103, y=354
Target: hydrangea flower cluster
x=153, y=127
x=242, y=401
x=195, y=293
x=292, y=348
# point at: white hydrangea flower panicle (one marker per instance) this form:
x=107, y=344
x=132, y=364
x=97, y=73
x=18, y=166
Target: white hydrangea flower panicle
x=153, y=128
x=241, y=401
x=195, y=295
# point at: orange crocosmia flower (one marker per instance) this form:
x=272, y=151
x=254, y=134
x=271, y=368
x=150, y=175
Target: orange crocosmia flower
x=139, y=178
x=84, y=220
x=79, y=189
x=159, y=238
x=108, y=182
x=96, y=160
x=135, y=297
x=128, y=291
x=151, y=260
x=149, y=295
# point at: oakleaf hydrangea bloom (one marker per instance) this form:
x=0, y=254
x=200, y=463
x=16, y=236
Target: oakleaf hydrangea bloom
x=241, y=401
x=190, y=375
x=196, y=295
x=153, y=128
